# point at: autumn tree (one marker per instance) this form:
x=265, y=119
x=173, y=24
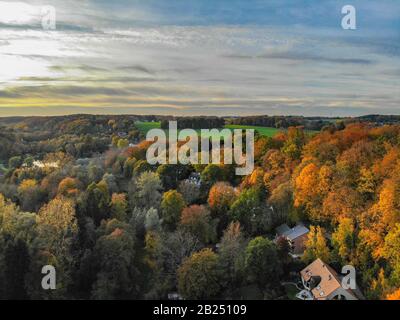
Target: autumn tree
x=57, y=228
x=379, y=287
x=391, y=251
x=255, y=179
x=97, y=201
x=119, y=206
x=122, y=143
x=128, y=167
x=198, y=276
x=310, y=187
x=394, y=295
x=294, y=143
x=221, y=197
x=281, y=200
x=116, y=277
x=149, y=189
x=15, y=223
x=367, y=183
x=316, y=246
x=197, y=220
x=141, y=167
x=69, y=187
x=344, y=240
x=152, y=247
x=386, y=211
x=340, y=203
x=30, y=195
x=57, y=225
x=172, y=205
x=60, y=158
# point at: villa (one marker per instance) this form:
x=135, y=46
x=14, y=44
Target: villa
x=321, y=282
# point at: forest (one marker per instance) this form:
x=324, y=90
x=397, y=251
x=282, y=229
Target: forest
x=77, y=193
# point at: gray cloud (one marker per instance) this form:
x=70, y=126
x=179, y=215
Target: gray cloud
x=315, y=58
x=303, y=57
x=211, y=69
x=139, y=68
x=122, y=79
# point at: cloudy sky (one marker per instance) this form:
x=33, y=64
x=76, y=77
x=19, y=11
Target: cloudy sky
x=200, y=57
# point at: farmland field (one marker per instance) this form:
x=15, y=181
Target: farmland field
x=265, y=131
x=146, y=126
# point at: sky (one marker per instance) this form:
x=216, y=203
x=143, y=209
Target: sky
x=200, y=57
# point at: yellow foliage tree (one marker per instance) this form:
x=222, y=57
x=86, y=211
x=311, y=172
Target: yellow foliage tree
x=394, y=296
x=316, y=246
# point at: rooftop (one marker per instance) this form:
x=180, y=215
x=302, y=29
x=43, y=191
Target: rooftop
x=327, y=282
x=291, y=233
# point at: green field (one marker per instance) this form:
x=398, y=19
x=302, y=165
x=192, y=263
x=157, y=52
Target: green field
x=146, y=126
x=265, y=131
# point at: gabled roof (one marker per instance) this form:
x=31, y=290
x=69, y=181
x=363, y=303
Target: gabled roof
x=328, y=279
x=297, y=231
x=291, y=233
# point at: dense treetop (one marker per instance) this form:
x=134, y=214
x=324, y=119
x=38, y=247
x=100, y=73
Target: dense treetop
x=76, y=192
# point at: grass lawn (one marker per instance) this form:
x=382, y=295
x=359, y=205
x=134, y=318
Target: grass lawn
x=146, y=126
x=265, y=131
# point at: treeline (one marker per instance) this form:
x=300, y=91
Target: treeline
x=379, y=119
x=314, y=123
x=311, y=123
x=195, y=122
